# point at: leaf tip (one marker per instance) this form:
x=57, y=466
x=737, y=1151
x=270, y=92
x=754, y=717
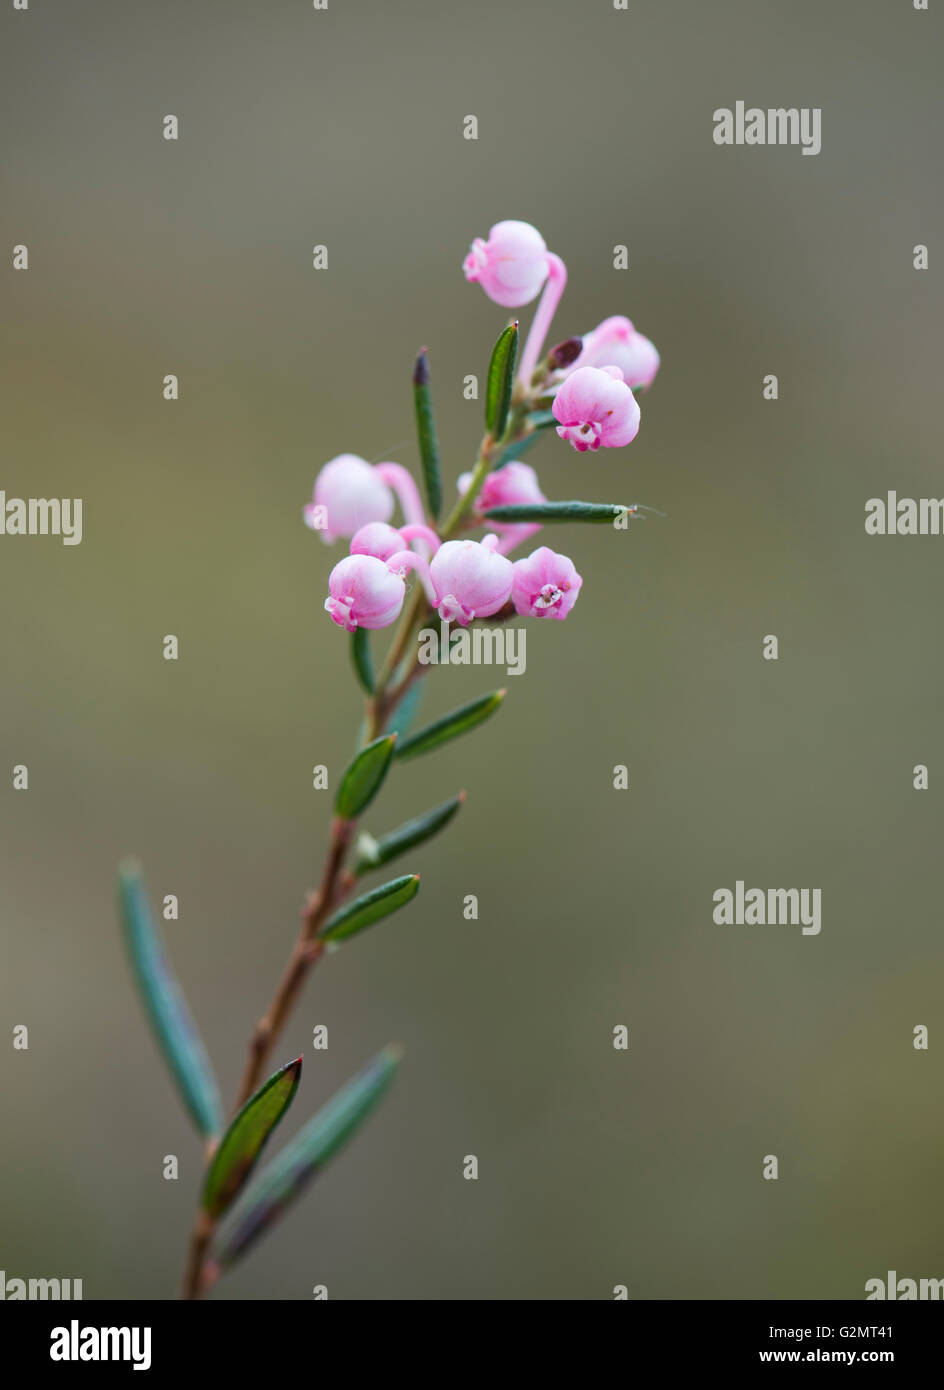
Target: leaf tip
x=421, y=369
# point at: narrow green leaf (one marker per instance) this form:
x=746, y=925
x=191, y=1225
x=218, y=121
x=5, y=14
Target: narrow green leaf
x=501, y=381
x=365, y=911
x=559, y=511
x=542, y=419
x=360, y=655
x=539, y=421
x=426, y=433
x=243, y=1142
x=460, y=721
x=281, y=1181
x=165, y=1006
x=406, y=710
x=516, y=450
x=372, y=853
x=363, y=777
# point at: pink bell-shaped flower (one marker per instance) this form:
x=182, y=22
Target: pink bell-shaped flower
x=470, y=580
x=545, y=585
x=615, y=342
x=377, y=539
x=349, y=493
x=383, y=541
x=595, y=407
x=366, y=592
x=511, y=266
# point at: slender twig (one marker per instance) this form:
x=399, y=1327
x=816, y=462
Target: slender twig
x=384, y=701
x=381, y=706
x=200, y=1237
x=336, y=882
x=305, y=952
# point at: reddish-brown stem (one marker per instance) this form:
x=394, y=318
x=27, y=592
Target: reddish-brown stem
x=336, y=882
x=200, y=1237
x=305, y=952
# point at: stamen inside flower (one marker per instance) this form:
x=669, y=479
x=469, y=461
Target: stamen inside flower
x=548, y=596
x=583, y=436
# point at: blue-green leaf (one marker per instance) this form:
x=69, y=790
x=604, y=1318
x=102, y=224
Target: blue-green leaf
x=516, y=450
x=360, y=656
x=285, y=1177
x=459, y=721
x=165, y=1006
x=535, y=424
x=542, y=420
x=407, y=709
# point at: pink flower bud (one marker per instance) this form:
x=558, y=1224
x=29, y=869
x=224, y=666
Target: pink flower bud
x=594, y=406
x=511, y=266
x=516, y=483
x=383, y=541
x=377, y=539
x=348, y=494
x=470, y=580
x=364, y=593
x=545, y=585
x=615, y=342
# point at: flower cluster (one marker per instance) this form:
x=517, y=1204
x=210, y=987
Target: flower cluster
x=592, y=402
x=464, y=579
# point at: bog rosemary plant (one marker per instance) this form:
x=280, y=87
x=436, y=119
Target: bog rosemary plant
x=400, y=576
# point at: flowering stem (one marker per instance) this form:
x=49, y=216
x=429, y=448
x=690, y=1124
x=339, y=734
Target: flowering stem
x=488, y=451
x=381, y=706
x=336, y=882
x=481, y=471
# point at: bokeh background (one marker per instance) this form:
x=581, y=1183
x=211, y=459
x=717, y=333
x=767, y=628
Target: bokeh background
x=343, y=127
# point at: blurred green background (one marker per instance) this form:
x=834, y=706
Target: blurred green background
x=344, y=127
